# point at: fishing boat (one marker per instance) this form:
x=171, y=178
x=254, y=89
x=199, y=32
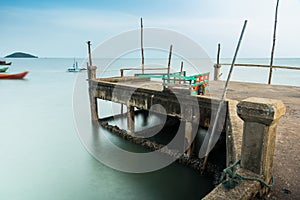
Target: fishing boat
x=75, y=68
x=14, y=76
x=3, y=62
x=3, y=69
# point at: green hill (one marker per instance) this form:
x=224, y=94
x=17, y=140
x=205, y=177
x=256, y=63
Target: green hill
x=20, y=55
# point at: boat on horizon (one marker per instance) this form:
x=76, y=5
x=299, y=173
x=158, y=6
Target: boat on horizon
x=3, y=69
x=75, y=68
x=14, y=76
x=3, y=62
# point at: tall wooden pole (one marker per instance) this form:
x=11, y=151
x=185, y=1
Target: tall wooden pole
x=217, y=66
x=218, y=55
x=142, y=46
x=169, y=61
x=273, y=46
x=213, y=130
x=89, y=52
x=181, y=67
x=181, y=71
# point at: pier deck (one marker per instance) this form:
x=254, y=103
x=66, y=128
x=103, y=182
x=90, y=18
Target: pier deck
x=287, y=151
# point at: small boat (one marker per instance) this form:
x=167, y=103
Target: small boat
x=3, y=62
x=3, y=69
x=14, y=76
x=75, y=68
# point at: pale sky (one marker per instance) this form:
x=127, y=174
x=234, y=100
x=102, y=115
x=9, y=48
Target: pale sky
x=61, y=28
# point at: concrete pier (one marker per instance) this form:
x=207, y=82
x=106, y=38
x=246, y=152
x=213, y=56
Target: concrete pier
x=251, y=139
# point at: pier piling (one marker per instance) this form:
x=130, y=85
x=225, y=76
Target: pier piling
x=92, y=94
x=130, y=119
x=189, y=137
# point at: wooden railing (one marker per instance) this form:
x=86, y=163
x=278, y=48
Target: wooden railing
x=139, y=69
x=217, y=68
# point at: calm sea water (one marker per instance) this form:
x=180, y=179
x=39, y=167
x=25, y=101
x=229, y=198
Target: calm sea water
x=42, y=156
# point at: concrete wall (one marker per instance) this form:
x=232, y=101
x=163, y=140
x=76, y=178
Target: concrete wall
x=182, y=106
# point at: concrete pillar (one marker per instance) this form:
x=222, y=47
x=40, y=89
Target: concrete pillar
x=188, y=138
x=122, y=108
x=93, y=105
x=130, y=119
x=92, y=93
x=217, y=70
x=259, y=135
x=91, y=72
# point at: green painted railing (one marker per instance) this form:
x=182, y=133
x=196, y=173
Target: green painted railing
x=197, y=84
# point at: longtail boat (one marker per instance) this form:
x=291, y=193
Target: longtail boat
x=75, y=68
x=14, y=76
x=3, y=69
x=3, y=62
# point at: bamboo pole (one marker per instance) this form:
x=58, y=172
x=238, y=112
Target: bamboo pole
x=181, y=70
x=89, y=51
x=142, y=46
x=222, y=100
x=181, y=67
x=217, y=66
x=169, y=63
x=169, y=60
x=263, y=66
x=273, y=46
x=218, y=55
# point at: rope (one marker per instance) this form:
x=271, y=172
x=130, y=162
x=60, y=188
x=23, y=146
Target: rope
x=235, y=179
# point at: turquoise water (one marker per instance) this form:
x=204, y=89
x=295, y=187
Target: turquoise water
x=42, y=156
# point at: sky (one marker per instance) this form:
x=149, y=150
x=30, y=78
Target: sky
x=60, y=28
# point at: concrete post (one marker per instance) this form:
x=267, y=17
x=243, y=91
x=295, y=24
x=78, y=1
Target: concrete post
x=188, y=138
x=217, y=69
x=93, y=105
x=93, y=100
x=91, y=72
x=130, y=119
x=260, y=122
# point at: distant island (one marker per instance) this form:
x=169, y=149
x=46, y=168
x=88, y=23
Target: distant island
x=20, y=55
